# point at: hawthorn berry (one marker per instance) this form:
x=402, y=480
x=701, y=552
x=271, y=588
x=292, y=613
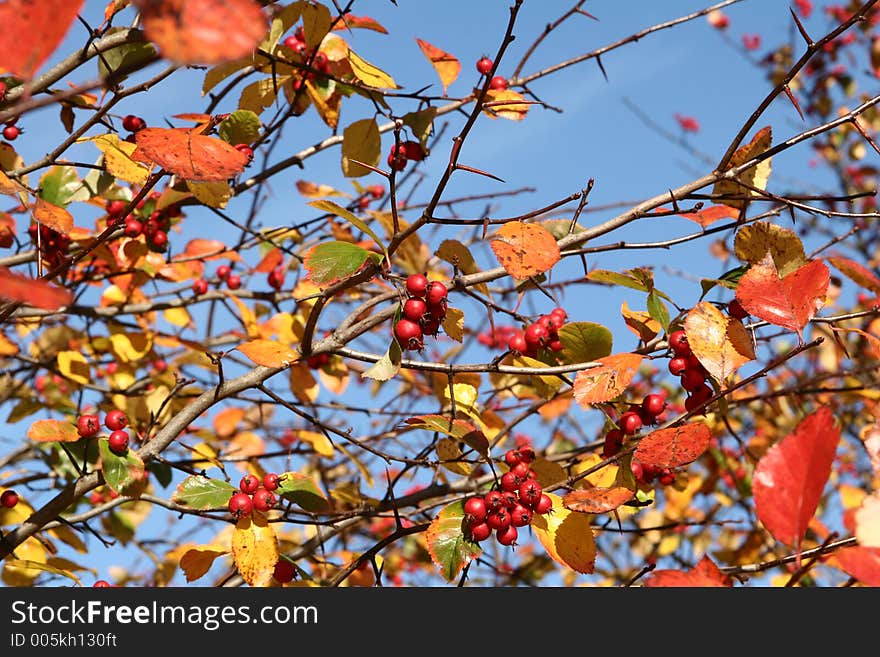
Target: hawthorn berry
x=200, y=286
x=284, y=571
x=498, y=518
x=133, y=227
x=397, y=159
x=507, y=536
x=159, y=240
x=517, y=343
x=416, y=285
x=536, y=335
x=653, y=404
x=480, y=532
x=264, y=499
x=498, y=83
x=435, y=293
x=246, y=150
x=667, y=478
x=692, y=379
x=530, y=492
x=275, y=278
x=509, y=499
x=102, y=584
x=414, y=309
x=9, y=498
x=271, y=481
x=520, y=516
x=240, y=504
x=11, y=132
x=413, y=151
x=376, y=191
x=677, y=365
x=521, y=470
x=233, y=281
x=678, y=342
x=493, y=499
x=511, y=482
x=408, y=334
x=613, y=443
x=88, y=425
x=133, y=123
x=544, y=505
x=249, y=484
x=475, y=508
x=318, y=360
x=630, y=422
x=115, y=208
x=116, y=420
x=118, y=441
x=484, y=65
x=223, y=272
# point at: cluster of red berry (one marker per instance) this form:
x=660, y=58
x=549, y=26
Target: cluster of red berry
x=253, y=494
x=645, y=474
x=9, y=498
x=423, y=311
x=319, y=60
x=404, y=151
x=512, y=506
x=687, y=366
x=145, y=220
x=53, y=245
x=542, y=334
x=225, y=274
x=88, y=425
x=371, y=193
x=497, y=83
x=632, y=421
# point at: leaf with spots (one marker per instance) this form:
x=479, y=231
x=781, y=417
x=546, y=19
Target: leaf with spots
x=567, y=536
x=674, y=446
x=721, y=343
x=448, y=546
x=255, y=550
x=32, y=31
x=753, y=242
x=200, y=492
x=329, y=262
x=525, y=250
x=604, y=383
x=755, y=176
x=189, y=154
x=597, y=500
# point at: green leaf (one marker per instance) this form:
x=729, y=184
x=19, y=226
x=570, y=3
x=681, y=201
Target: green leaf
x=129, y=56
x=584, y=342
x=339, y=211
x=449, y=548
x=558, y=228
x=657, y=309
x=545, y=386
x=386, y=367
x=370, y=75
x=200, y=492
x=421, y=123
x=258, y=95
x=639, y=278
x=240, y=127
x=361, y=142
x=460, y=429
x=302, y=490
x=331, y=261
x=98, y=182
x=123, y=473
x=728, y=279
x=61, y=185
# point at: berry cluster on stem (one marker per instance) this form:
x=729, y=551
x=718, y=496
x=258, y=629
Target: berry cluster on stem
x=254, y=494
x=422, y=313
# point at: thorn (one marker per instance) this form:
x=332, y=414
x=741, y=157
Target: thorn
x=674, y=203
x=801, y=29
x=464, y=167
x=601, y=67
x=794, y=101
x=587, y=14
x=864, y=134
x=369, y=166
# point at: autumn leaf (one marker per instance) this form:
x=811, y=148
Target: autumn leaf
x=255, y=550
x=448, y=546
x=200, y=492
x=525, y=250
x=790, y=302
x=361, y=142
x=708, y=216
x=74, y=366
x=505, y=104
x=640, y=322
x=861, y=563
x=269, y=353
x=350, y=21
x=329, y=262
x=604, y=383
x=721, y=343
x=755, y=176
x=674, y=446
x=56, y=431
x=117, y=158
x=755, y=241
x=867, y=519
x=23, y=47
x=597, y=500
x=789, y=479
x=198, y=31
x=459, y=429
x=447, y=66
x=54, y=216
x=201, y=248
x=583, y=342
x=567, y=536
x=704, y=574
x=191, y=155
x=857, y=273
x=123, y=473
x=196, y=562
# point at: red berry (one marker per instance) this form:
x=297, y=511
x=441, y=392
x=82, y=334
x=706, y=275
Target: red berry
x=321, y=61
x=3, y=89
x=397, y=162
x=692, y=379
x=735, y=310
x=630, y=422
x=509, y=499
x=414, y=309
x=498, y=83
x=408, y=334
x=133, y=123
x=9, y=498
x=118, y=441
x=435, y=293
x=555, y=345
x=223, y=272
x=530, y=492
x=512, y=457
x=115, y=208
x=11, y=132
x=264, y=499
x=475, y=508
x=249, y=484
x=677, y=365
x=275, y=277
x=480, y=532
x=654, y=404
x=613, y=443
x=413, y=151
x=318, y=360
x=559, y=313
x=510, y=481
x=536, y=335
x=246, y=150
x=507, y=536
x=521, y=470
x=484, y=65
x=159, y=240
x=200, y=286
x=638, y=471
x=544, y=505
x=376, y=191
x=493, y=499
x=284, y=571
x=101, y=584
x=416, y=285
x=116, y=420
x=517, y=342
x=133, y=227
x=498, y=518
x=88, y=425
x=678, y=342
x=233, y=281
x=520, y=516
x=240, y=504
x=667, y=478
x=271, y=481
x=291, y=41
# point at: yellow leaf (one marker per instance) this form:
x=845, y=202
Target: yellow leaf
x=370, y=75
x=453, y=324
x=74, y=366
x=7, y=346
x=755, y=176
x=567, y=536
x=212, y=194
x=27, y=565
x=206, y=452
x=30, y=552
x=868, y=522
x=196, y=562
x=505, y=104
x=55, y=217
x=448, y=454
x=605, y=477
x=303, y=384
x=178, y=317
x=361, y=142
x=255, y=550
x=753, y=242
x=268, y=353
x=447, y=66
x=130, y=347
x=319, y=442
x=117, y=158
x=721, y=343
x=247, y=317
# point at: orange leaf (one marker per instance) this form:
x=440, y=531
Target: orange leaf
x=597, y=500
x=198, y=561
x=640, y=322
x=525, y=249
x=226, y=421
x=204, y=249
x=604, y=383
x=704, y=574
x=53, y=431
x=446, y=65
x=34, y=292
x=506, y=104
x=721, y=343
x=790, y=302
x=269, y=353
x=203, y=31
x=674, y=446
x=711, y=214
x=189, y=154
x=272, y=259
x=365, y=22
x=31, y=32
x=861, y=563
x=857, y=273
x=55, y=217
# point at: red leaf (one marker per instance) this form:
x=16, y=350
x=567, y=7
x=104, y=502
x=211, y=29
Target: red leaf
x=203, y=31
x=858, y=273
x=189, y=154
x=704, y=574
x=31, y=32
x=789, y=478
x=597, y=500
x=862, y=563
x=34, y=292
x=790, y=302
x=673, y=447
x=711, y=214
